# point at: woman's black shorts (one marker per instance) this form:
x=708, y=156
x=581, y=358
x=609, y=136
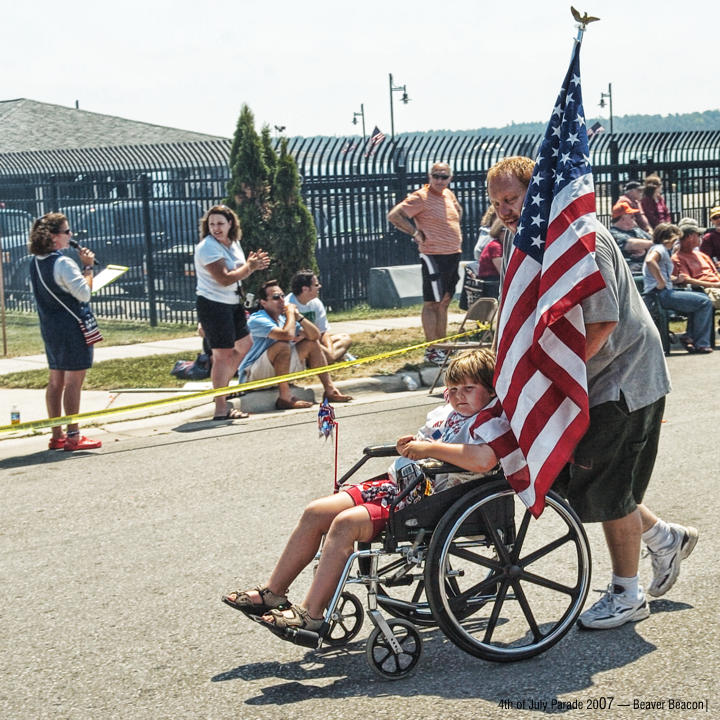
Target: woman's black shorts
x=222, y=324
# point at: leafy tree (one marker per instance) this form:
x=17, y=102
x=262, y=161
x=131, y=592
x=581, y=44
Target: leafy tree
x=292, y=228
x=249, y=185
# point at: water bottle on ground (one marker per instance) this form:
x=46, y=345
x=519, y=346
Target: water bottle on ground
x=14, y=415
x=409, y=382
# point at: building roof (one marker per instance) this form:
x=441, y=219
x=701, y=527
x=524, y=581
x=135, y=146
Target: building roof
x=27, y=125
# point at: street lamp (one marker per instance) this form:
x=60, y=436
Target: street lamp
x=362, y=115
x=607, y=95
x=405, y=99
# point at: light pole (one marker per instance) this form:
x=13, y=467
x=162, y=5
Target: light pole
x=607, y=95
x=405, y=99
x=362, y=115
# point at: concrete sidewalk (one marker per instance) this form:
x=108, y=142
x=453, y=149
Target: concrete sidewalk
x=31, y=403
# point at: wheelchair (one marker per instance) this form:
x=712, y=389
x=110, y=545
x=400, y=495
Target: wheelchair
x=501, y=585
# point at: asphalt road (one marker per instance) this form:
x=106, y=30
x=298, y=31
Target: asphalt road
x=112, y=566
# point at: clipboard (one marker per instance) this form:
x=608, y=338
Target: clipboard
x=109, y=274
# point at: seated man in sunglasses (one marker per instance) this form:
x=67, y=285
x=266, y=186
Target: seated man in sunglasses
x=431, y=215
x=284, y=341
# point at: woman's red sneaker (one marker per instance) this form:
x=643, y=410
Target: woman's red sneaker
x=80, y=442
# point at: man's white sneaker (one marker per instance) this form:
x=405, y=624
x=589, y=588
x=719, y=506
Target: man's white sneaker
x=666, y=562
x=614, y=609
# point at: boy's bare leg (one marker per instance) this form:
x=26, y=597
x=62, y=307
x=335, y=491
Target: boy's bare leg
x=348, y=527
x=334, y=347
x=304, y=541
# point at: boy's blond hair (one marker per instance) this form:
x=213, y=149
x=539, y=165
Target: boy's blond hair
x=477, y=366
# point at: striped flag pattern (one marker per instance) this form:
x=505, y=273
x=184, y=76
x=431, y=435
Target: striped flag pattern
x=540, y=375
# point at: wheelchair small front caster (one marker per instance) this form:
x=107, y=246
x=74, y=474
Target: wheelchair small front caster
x=346, y=621
x=399, y=662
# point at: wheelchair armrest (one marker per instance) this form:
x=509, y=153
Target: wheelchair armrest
x=438, y=467
x=369, y=452
x=380, y=451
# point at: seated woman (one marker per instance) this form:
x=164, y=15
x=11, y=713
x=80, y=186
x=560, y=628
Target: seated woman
x=658, y=277
x=490, y=263
x=360, y=512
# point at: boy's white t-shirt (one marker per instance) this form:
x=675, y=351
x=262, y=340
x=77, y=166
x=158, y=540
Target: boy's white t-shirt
x=314, y=311
x=443, y=424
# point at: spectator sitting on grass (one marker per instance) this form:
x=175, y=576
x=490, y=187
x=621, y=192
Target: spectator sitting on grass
x=305, y=290
x=284, y=341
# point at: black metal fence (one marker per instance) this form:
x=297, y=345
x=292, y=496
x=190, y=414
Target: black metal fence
x=139, y=206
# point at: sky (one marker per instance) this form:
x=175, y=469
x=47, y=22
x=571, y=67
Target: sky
x=310, y=65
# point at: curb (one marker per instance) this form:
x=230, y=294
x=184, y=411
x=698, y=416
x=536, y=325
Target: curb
x=256, y=402
x=261, y=401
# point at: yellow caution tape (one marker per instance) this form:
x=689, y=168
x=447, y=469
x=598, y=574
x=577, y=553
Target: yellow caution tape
x=215, y=392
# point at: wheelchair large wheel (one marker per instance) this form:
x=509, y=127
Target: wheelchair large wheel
x=520, y=585
x=384, y=660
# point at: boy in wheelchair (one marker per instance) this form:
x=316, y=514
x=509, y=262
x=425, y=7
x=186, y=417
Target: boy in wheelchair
x=359, y=512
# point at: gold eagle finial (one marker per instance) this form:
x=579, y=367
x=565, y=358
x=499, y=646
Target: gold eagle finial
x=582, y=19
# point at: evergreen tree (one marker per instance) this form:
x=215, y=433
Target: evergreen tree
x=268, y=151
x=294, y=237
x=249, y=185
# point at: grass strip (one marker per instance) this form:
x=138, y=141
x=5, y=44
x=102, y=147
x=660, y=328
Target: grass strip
x=154, y=370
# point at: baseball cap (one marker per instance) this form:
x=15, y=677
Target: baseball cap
x=690, y=225
x=622, y=208
x=715, y=212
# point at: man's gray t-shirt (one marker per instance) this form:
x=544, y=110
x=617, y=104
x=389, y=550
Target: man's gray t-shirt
x=631, y=362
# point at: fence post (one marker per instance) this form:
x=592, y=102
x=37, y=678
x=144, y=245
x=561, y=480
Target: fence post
x=149, y=263
x=614, y=175
x=400, y=162
x=55, y=187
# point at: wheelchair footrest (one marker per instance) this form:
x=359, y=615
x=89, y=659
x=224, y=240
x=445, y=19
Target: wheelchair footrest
x=306, y=638
x=297, y=636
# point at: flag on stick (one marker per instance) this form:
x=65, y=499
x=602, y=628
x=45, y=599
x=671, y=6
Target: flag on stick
x=374, y=140
x=595, y=129
x=540, y=376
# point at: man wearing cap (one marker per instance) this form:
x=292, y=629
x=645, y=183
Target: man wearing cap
x=632, y=240
x=710, y=244
x=633, y=195
x=431, y=216
x=696, y=265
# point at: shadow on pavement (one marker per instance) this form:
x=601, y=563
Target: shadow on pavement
x=568, y=667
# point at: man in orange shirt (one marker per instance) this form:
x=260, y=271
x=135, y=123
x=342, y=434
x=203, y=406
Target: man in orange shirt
x=431, y=215
x=697, y=266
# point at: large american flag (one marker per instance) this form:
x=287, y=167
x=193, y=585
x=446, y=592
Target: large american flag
x=540, y=376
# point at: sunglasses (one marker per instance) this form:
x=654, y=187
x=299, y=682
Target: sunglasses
x=277, y=296
x=65, y=232
x=438, y=176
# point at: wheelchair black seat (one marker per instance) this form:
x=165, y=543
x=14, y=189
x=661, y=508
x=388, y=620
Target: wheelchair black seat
x=405, y=524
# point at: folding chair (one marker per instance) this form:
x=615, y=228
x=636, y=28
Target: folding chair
x=482, y=310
